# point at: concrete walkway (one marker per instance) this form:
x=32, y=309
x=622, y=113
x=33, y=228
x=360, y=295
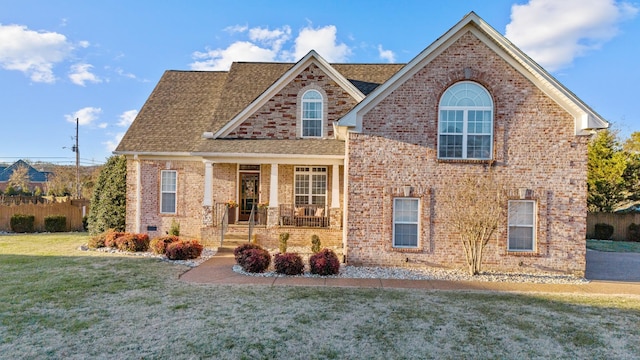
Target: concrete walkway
x=218, y=270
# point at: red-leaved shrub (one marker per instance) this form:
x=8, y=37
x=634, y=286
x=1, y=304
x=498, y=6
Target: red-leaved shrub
x=288, y=264
x=111, y=236
x=324, y=263
x=97, y=241
x=132, y=242
x=184, y=250
x=159, y=245
x=255, y=260
x=238, y=252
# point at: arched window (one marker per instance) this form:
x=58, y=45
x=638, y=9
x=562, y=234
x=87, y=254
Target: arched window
x=312, y=114
x=465, y=124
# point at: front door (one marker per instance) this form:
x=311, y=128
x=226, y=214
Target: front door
x=249, y=190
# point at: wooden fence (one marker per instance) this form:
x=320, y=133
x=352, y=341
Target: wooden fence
x=620, y=223
x=73, y=210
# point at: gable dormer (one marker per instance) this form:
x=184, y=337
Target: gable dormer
x=303, y=103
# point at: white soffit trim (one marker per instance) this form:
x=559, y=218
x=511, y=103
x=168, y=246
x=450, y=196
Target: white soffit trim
x=311, y=58
x=585, y=117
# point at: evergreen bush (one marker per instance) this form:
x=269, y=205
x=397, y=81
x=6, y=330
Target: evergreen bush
x=108, y=203
x=633, y=232
x=315, y=243
x=21, y=223
x=603, y=231
x=55, y=223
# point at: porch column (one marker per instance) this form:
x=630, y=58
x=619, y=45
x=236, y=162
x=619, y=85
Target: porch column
x=207, y=201
x=335, y=218
x=138, y=226
x=272, y=210
x=335, y=187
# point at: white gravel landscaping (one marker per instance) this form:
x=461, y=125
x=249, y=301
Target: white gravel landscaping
x=369, y=272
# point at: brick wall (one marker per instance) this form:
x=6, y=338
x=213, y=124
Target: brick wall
x=189, y=197
x=534, y=147
x=279, y=118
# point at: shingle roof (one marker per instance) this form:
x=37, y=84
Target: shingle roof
x=185, y=104
x=268, y=146
x=176, y=113
x=34, y=175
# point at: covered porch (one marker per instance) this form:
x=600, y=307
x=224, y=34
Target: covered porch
x=278, y=195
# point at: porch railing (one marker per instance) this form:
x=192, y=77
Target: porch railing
x=304, y=215
x=224, y=223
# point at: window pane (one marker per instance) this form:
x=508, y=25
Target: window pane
x=168, y=203
x=168, y=181
x=405, y=222
x=521, y=225
x=450, y=146
x=406, y=235
x=478, y=147
x=520, y=238
x=311, y=127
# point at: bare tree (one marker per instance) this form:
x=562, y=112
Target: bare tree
x=475, y=205
x=19, y=179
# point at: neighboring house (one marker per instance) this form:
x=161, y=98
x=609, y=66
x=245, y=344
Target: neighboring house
x=329, y=149
x=37, y=179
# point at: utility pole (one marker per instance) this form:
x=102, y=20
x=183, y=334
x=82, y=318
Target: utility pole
x=76, y=149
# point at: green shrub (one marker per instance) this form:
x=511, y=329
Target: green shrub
x=184, y=250
x=159, y=245
x=97, y=241
x=282, y=243
x=21, y=223
x=288, y=264
x=255, y=260
x=239, y=251
x=175, y=228
x=603, y=231
x=108, y=203
x=56, y=223
x=315, y=243
x=633, y=232
x=324, y=262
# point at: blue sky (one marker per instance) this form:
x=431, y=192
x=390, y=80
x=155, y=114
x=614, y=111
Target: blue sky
x=99, y=60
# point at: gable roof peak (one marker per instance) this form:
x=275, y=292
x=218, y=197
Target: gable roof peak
x=312, y=57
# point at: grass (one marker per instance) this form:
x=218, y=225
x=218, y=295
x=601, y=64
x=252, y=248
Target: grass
x=59, y=302
x=613, y=246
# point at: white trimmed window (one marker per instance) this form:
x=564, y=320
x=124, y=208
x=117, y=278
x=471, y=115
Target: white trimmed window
x=405, y=222
x=465, y=124
x=168, y=187
x=310, y=185
x=522, y=219
x=312, y=114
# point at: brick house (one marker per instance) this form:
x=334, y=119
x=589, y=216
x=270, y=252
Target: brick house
x=359, y=153
x=37, y=179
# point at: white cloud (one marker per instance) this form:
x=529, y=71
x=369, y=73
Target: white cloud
x=84, y=44
x=555, y=32
x=85, y=115
x=236, y=29
x=127, y=117
x=221, y=59
x=32, y=52
x=103, y=125
x=267, y=45
x=81, y=73
x=113, y=144
x=323, y=41
x=386, y=55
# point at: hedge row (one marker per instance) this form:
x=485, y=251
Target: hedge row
x=255, y=259
x=171, y=246
x=21, y=223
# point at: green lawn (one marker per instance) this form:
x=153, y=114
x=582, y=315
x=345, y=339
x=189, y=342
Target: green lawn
x=58, y=302
x=613, y=246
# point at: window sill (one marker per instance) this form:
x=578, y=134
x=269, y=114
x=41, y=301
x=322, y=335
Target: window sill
x=406, y=249
x=467, y=161
x=522, y=253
